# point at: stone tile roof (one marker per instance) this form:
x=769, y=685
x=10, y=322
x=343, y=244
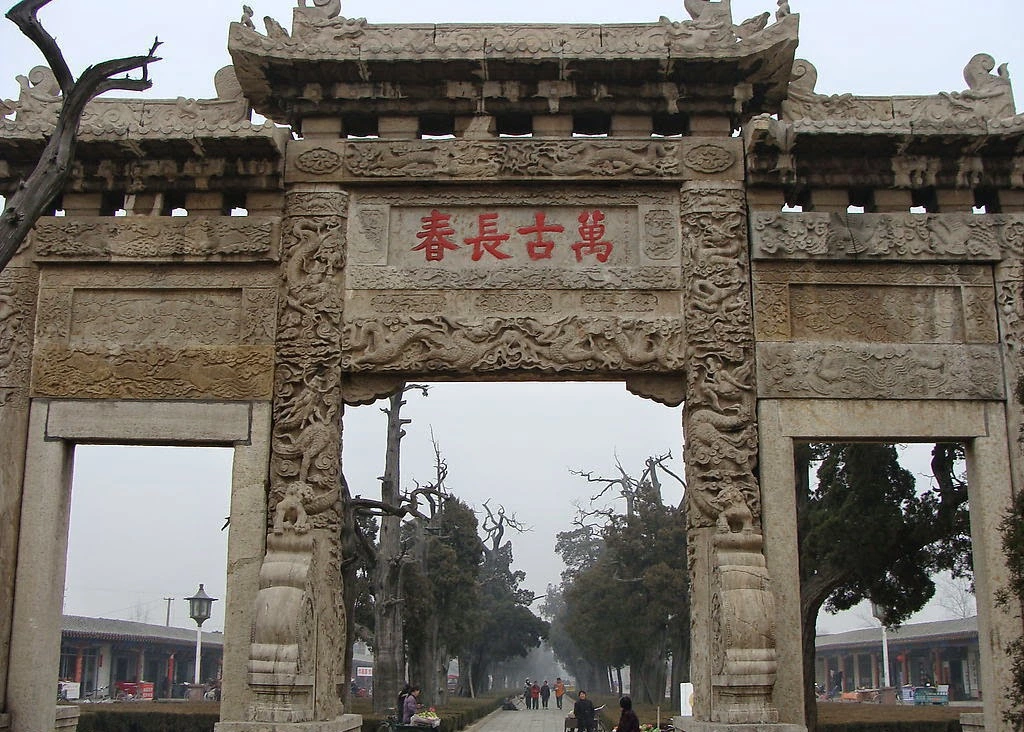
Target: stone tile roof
x=916, y=632
x=76, y=626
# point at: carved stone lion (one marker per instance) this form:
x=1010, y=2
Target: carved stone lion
x=290, y=511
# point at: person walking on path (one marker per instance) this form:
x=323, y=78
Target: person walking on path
x=583, y=710
x=559, y=691
x=535, y=695
x=545, y=694
x=628, y=721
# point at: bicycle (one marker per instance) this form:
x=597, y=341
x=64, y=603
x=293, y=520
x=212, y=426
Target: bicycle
x=101, y=694
x=391, y=722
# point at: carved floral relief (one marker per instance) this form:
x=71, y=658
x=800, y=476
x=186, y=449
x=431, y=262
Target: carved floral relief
x=463, y=346
x=156, y=237
x=510, y=160
x=363, y=277
x=846, y=371
x=238, y=373
x=18, y=287
x=915, y=237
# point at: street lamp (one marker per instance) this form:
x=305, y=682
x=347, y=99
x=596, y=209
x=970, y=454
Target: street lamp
x=881, y=614
x=199, y=607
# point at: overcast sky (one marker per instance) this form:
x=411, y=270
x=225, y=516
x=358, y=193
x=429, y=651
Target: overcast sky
x=146, y=523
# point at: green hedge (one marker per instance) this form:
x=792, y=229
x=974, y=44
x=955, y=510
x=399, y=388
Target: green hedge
x=950, y=725
x=456, y=715
x=146, y=721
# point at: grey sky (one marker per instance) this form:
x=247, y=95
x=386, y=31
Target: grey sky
x=512, y=443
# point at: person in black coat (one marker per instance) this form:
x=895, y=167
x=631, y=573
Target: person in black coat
x=628, y=721
x=583, y=710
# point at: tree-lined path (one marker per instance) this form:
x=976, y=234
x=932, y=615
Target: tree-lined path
x=524, y=720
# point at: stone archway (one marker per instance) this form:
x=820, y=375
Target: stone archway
x=630, y=236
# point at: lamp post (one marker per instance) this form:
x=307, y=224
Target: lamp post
x=881, y=615
x=199, y=606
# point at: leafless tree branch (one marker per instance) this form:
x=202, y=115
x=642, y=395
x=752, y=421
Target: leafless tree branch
x=46, y=181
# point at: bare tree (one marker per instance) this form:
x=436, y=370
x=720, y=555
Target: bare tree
x=388, y=645
x=956, y=596
x=36, y=194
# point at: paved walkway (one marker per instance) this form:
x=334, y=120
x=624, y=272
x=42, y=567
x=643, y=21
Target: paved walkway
x=551, y=719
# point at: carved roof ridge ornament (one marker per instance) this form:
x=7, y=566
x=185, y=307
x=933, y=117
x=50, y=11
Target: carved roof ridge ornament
x=710, y=28
x=327, y=61
x=39, y=101
x=988, y=99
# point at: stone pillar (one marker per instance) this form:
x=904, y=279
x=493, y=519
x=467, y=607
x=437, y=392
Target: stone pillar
x=298, y=628
x=246, y=548
x=41, y=559
x=733, y=664
x=19, y=285
x=990, y=496
x=995, y=628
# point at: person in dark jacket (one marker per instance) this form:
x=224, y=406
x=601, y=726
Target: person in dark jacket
x=628, y=721
x=545, y=694
x=583, y=710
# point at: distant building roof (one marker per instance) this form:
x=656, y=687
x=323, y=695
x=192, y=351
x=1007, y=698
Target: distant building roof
x=960, y=629
x=76, y=626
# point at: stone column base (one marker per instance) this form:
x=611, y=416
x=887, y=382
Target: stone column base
x=344, y=723
x=66, y=717
x=689, y=724
x=972, y=722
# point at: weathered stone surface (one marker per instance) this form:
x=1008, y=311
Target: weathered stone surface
x=874, y=303
x=988, y=96
x=512, y=159
x=907, y=237
x=855, y=371
x=374, y=63
x=38, y=105
x=298, y=629
x=734, y=619
x=572, y=344
x=157, y=372
x=157, y=238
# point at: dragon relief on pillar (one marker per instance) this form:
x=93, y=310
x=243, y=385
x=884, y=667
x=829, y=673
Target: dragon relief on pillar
x=299, y=629
x=721, y=429
x=720, y=426
x=1010, y=305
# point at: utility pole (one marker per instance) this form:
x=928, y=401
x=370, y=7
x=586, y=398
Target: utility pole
x=168, y=622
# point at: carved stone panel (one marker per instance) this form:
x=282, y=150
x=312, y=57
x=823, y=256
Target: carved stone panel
x=572, y=344
x=237, y=373
x=734, y=615
x=518, y=159
x=17, y=321
x=909, y=237
x=205, y=335
x=460, y=239
x=874, y=303
x=862, y=371
x=160, y=238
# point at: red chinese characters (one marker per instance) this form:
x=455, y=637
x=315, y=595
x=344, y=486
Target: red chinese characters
x=488, y=239
x=592, y=233
x=492, y=239
x=539, y=247
x=435, y=232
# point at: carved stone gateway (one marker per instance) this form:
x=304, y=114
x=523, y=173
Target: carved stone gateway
x=509, y=203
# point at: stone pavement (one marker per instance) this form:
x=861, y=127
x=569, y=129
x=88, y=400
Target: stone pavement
x=551, y=719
